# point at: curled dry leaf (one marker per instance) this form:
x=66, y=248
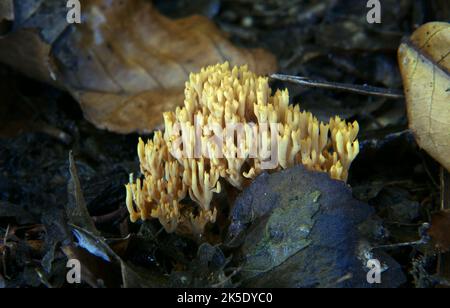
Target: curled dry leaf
x=425, y=67
x=125, y=63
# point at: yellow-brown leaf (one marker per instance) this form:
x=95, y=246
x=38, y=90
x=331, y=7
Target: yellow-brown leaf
x=425, y=67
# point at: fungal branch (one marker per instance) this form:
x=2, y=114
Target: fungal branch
x=231, y=128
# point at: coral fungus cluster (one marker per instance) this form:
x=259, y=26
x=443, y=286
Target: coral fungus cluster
x=230, y=128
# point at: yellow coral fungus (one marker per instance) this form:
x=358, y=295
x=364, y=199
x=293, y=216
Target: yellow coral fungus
x=230, y=129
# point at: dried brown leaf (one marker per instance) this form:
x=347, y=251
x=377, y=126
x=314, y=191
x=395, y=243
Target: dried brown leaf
x=94, y=271
x=425, y=67
x=126, y=63
x=439, y=230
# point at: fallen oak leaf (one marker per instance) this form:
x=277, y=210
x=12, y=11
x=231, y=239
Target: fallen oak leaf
x=298, y=228
x=424, y=62
x=126, y=63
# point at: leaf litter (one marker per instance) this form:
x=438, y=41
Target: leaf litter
x=396, y=181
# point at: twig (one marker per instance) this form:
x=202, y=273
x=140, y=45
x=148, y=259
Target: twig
x=340, y=280
x=228, y=278
x=358, y=89
x=119, y=213
x=427, y=171
x=424, y=239
x=445, y=189
x=53, y=132
x=5, y=239
x=443, y=260
x=43, y=278
x=77, y=210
